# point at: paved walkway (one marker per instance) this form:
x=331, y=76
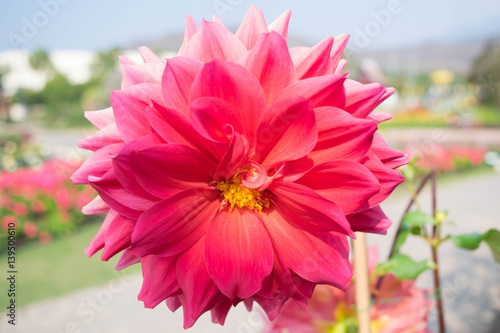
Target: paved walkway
x=471, y=286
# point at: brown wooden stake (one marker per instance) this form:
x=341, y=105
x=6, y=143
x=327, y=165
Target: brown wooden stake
x=362, y=283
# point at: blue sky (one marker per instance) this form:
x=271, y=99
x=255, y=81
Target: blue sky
x=97, y=25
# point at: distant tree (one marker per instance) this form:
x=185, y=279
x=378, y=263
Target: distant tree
x=486, y=73
x=104, y=63
x=40, y=61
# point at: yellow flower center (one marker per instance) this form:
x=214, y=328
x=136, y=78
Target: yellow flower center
x=237, y=194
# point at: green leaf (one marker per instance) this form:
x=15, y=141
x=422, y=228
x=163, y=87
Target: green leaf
x=492, y=238
x=416, y=219
x=468, y=241
x=403, y=267
x=472, y=241
x=403, y=234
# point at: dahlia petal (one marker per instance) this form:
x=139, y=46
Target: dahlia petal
x=315, y=61
x=99, y=239
x=371, y=220
x=126, y=60
x=174, y=224
x=129, y=108
x=340, y=67
x=347, y=183
x=318, y=257
x=96, y=206
x=100, y=118
x=126, y=259
x=97, y=164
x=235, y=156
x=338, y=47
x=341, y=135
x=216, y=19
x=117, y=197
x=124, y=171
x=133, y=74
x=166, y=169
x=213, y=41
x=309, y=210
x=173, y=303
x=324, y=90
x=238, y=252
x=252, y=27
x=270, y=62
x=280, y=25
x=175, y=127
x=201, y=293
x=236, y=86
x=219, y=313
x=106, y=136
x=190, y=30
x=117, y=236
x=160, y=279
x=177, y=80
x=380, y=117
x=209, y=115
x=362, y=99
x=388, y=178
x=149, y=56
x=389, y=156
x=287, y=131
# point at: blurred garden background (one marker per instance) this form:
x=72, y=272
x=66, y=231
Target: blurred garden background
x=446, y=115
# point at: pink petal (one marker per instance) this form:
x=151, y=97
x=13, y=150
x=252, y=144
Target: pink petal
x=175, y=127
x=191, y=29
x=269, y=61
x=372, y=220
x=101, y=118
x=339, y=44
x=362, y=99
x=347, y=183
x=324, y=90
x=236, y=86
x=214, y=41
x=107, y=136
x=389, y=156
x=149, y=56
x=280, y=25
x=167, y=169
x=174, y=224
x=99, y=239
x=388, y=178
x=287, y=131
x=177, y=80
x=117, y=197
x=219, y=313
x=308, y=210
x=96, y=206
x=126, y=259
x=236, y=154
x=315, y=61
x=209, y=115
x=160, y=279
x=202, y=294
x=380, y=117
x=238, y=252
x=124, y=171
x=341, y=135
x=133, y=74
x=97, y=164
x=340, y=67
x=252, y=27
x=319, y=257
x=118, y=236
x=129, y=107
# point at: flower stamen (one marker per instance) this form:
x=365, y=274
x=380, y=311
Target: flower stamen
x=237, y=194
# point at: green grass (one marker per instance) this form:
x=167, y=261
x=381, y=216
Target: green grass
x=45, y=271
x=487, y=115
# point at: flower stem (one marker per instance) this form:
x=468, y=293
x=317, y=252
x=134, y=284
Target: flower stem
x=362, y=282
x=436, y=236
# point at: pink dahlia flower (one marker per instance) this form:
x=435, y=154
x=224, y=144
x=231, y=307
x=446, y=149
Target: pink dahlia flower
x=236, y=170
x=398, y=307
